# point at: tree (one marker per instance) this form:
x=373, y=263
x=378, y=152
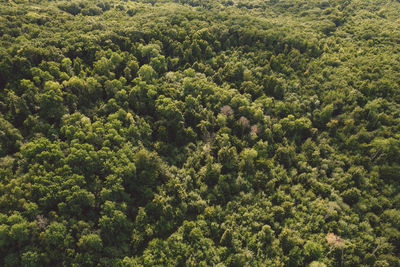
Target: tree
x=274, y=87
x=72, y=8
x=312, y=251
x=10, y=138
x=51, y=102
x=31, y=258
x=91, y=243
x=247, y=163
x=114, y=227
x=147, y=73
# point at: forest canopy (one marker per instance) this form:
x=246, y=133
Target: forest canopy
x=200, y=133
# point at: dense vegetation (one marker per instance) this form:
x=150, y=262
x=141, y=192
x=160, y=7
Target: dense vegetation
x=200, y=133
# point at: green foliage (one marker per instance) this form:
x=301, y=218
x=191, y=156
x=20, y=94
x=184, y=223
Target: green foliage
x=147, y=73
x=10, y=138
x=312, y=251
x=199, y=133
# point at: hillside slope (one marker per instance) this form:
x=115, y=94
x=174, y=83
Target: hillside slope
x=200, y=133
